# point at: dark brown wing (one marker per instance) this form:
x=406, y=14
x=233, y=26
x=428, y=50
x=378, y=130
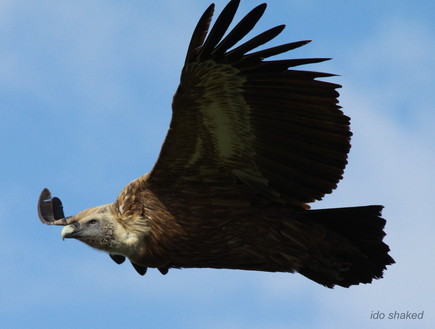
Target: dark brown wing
x=239, y=119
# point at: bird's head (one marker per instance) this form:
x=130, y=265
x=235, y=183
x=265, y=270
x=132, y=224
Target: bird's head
x=94, y=226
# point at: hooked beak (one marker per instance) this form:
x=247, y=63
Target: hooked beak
x=70, y=231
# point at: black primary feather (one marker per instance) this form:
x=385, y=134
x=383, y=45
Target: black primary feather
x=239, y=31
x=219, y=28
x=199, y=34
x=237, y=53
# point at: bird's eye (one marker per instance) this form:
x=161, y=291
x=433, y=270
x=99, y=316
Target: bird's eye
x=92, y=222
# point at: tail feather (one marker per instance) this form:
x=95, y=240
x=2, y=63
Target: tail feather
x=363, y=228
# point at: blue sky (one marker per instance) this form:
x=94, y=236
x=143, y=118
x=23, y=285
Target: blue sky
x=85, y=94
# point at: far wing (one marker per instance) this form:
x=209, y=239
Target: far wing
x=239, y=119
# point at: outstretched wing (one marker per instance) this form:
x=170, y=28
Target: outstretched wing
x=239, y=119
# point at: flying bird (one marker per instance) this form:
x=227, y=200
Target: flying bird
x=251, y=143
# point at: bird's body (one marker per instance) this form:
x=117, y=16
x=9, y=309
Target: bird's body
x=251, y=143
x=258, y=234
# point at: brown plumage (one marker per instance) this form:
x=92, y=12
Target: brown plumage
x=251, y=143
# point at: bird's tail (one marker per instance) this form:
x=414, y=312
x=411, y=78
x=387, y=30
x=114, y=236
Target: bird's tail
x=353, y=250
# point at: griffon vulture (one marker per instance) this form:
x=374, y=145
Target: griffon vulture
x=251, y=143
